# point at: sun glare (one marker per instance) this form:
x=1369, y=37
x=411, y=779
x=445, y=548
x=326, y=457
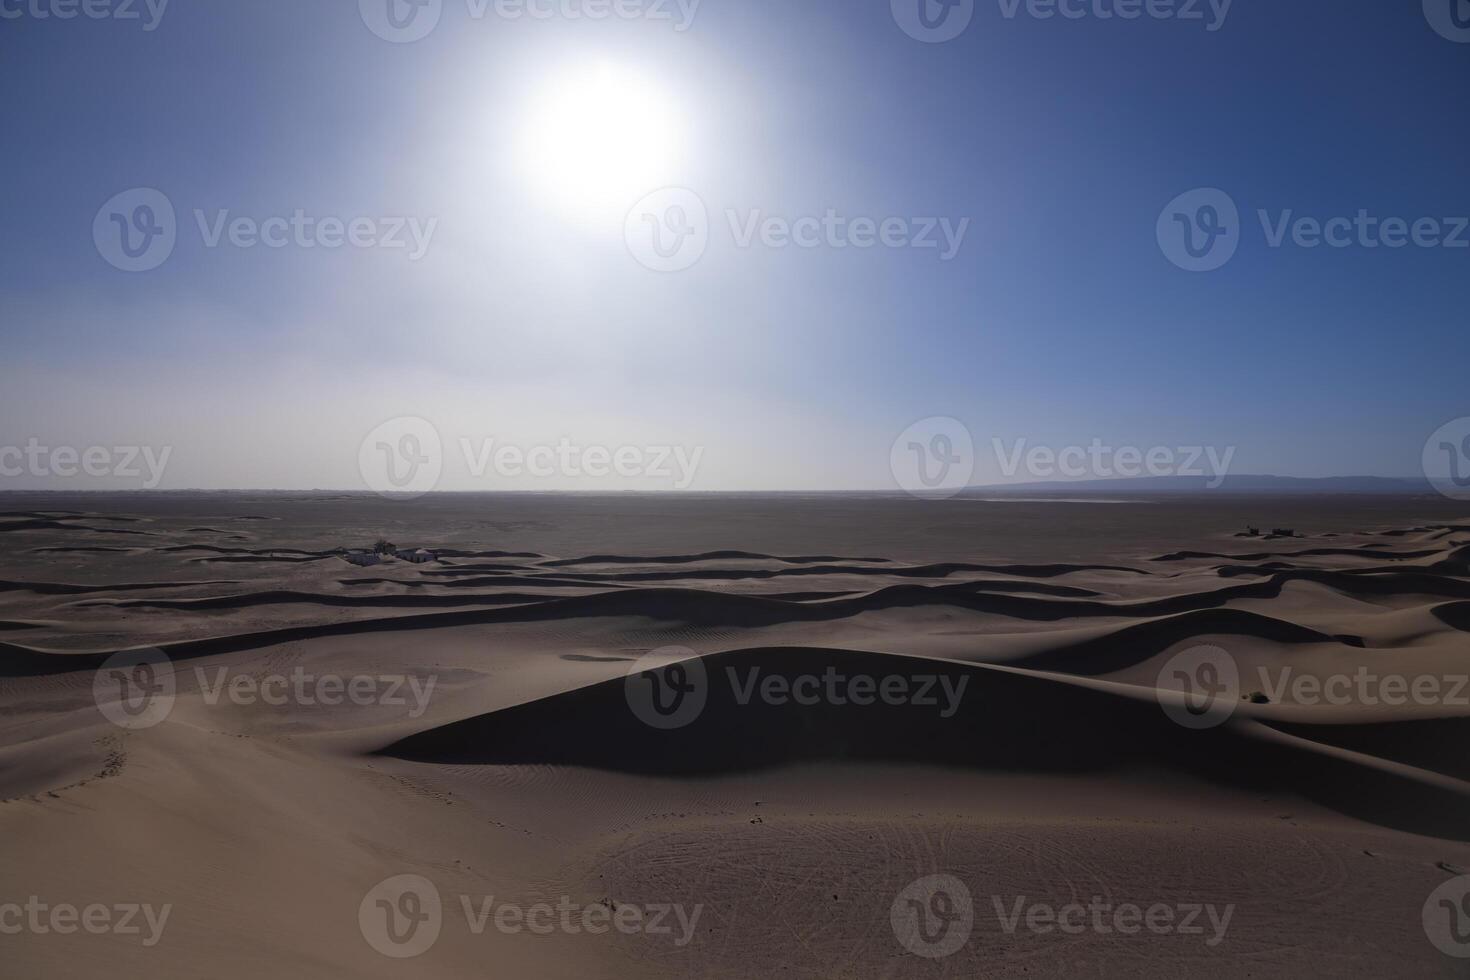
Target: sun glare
x=600, y=138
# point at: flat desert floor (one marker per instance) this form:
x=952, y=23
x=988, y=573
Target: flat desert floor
x=733, y=736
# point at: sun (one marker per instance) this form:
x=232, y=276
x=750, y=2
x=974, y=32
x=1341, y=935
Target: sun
x=599, y=138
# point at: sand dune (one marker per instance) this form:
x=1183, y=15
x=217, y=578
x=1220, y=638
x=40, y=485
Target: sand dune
x=1029, y=743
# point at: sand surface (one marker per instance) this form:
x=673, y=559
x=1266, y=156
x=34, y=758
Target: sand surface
x=635, y=736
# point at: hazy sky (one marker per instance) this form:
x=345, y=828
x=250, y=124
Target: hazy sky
x=502, y=151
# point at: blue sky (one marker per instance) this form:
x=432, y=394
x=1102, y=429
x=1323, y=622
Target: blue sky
x=528, y=318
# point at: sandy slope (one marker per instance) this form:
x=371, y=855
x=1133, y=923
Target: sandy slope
x=1040, y=768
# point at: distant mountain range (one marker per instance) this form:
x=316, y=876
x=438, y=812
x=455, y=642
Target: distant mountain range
x=1243, y=483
